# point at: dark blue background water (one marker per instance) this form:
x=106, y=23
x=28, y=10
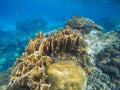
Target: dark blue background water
x=50, y=13
x=58, y=10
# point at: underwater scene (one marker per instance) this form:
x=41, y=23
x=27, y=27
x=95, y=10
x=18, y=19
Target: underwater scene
x=59, y=44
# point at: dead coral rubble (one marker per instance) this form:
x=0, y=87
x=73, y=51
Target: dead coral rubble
x=29, y=71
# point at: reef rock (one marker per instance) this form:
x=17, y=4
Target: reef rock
x=83, y=24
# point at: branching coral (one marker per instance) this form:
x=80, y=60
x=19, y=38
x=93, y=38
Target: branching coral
x=30, y=74
x=108, y=60
x=30, y=69
x=65, y=41
x=34, y=44
x=68, y=43
x=83, y=24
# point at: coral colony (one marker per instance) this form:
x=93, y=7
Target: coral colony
x=76, y=57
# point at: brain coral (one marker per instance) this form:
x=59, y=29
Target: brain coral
x=83, y=24
x=29, y=71
x=62, y=76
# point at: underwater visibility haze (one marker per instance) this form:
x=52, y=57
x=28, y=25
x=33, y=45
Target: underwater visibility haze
x=59, y=44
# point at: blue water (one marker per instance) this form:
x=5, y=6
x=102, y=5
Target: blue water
x=58, y=10
x=18, y=20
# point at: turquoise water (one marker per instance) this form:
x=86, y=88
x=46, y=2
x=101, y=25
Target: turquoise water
x=22, y=19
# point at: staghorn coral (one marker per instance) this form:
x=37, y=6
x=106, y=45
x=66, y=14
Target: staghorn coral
x=29, y=71
x=62, y=76
x=83, y=24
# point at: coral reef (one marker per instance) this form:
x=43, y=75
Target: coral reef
x=62, y=76
x=97, y=41
x=30, y=69
x=64, y=45
x=97, y=80
x=104, y=51
x=12, y=42
x=83, y=24
x=4, y=79
x=76, y=57
x=65, y=41
x=108, y=60
x=30, y=73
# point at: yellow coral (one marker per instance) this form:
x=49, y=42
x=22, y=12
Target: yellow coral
x=30, y=73
x=66, y=75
